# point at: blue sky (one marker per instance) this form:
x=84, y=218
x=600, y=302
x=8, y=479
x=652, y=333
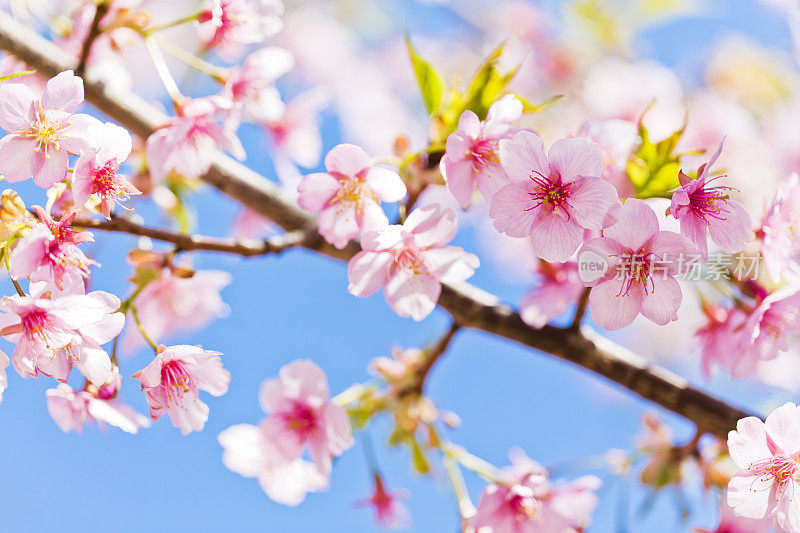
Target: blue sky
x=297, y=306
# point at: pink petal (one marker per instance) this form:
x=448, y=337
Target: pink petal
x=304, y=380
x=347, y=160
x=661, y=304
x=590, y=201
x=367, y=272
x=53, y=169
x=64, y=91
x=242, y=445
x=694, y=228
x=733, y=233
x=783, y=427
x=553, y=238
x=371, y=218
x=636, y=223
x=451, y=264
x=459, y=177
x=676, y=250
x=432, y=225
x=745, y=501
x=386, y=184
x=510, y=210
x=501, y=115
x=18, y=160
x=469, y=125
x=615, y=311
x=576, y=157
x=522, y=155
x=412, y=295
x=748, y=443
x=16, y=107
x=316, y=190
x=338, y=224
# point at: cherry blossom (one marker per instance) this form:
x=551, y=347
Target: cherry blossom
x=779, y=233
x=71, y=410
x=250, y=452
x=641, y=266
x=301, y=414
x=188, y=144
x=553, y=197
x=42, y=131
x=296, y=133
x=173, y=379
x=559, y=286
x=702, y=207
x=348, y=196
x=230, y=24
x=526, y=501
x=719, y=339
x=53, y=335
x=411, y=261
x=171, y=304
x=471, y=153
x=97, y=170
x=389, y=511
x=251, y=87
x=50, y=253
x=767, y=455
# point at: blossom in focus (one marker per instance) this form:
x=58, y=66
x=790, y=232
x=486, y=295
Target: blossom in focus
x=71, y=410
x=389, y=511
x=43, y=131
x=348, y=196
x=230, y=24
x=411, y=261
x=528, y=502
x=768, y=455
x=250, y=452
x=553, y=197
x=251, y=87
x=97, y=170
x=188, y=144
x=702, y=207
x=171, y=304
x=53, y=335
x=173, y=380
x=471, y=152
x=641, y=266
x=301, y=414
x=49, y=252
x=558, y=288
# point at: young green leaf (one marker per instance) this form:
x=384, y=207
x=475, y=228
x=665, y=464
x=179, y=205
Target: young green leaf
x=430, y=81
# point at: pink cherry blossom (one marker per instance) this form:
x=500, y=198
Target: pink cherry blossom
x=173, y=379
x=471, y=153
x=250, y=452
x=389, y=511
x=525, y=501
x=97, y=170
x=730, y=523
x=642, y=263
x=230, y=24
x=617, y=138
x=49, y=252
x=301, y=414
x=719, y=339
x=779, y=233
x=71, y=410
x=42, y=131
x=251, y=87
x=296, y=133
x=53, y=335
x=559, y=287
x=768, y=454
x=348, y=196
x=553, y=197
x=188, y=144
x=411, y=261
x=172, y=304
x=702, y=207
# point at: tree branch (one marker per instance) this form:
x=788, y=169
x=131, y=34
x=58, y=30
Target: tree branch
x=101, y=8
x=243, y=247
x=469, y=306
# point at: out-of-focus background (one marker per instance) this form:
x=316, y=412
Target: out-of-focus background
x=732, y=62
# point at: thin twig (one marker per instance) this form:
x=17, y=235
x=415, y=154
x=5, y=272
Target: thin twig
x=94, y=32
x=580, y=310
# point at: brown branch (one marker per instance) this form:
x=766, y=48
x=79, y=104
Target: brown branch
x=94, y=32
x=183, y=242
x=469, y=306
x=580, y=310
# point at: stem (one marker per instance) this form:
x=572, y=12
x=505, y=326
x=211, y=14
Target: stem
x=192, y=60
x=190, y=18
x=163, y=70
x=465, y=507
x=94, y=31
x=471, y=462
x=8, y=269
x=580, y=310
x=141, y=329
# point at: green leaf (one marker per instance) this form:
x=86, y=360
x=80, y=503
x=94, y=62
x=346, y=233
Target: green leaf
x=430, y=81
x=528, y=107
x=653, y=168
x=487, y=85
x=420, y=462
x=17, y=75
